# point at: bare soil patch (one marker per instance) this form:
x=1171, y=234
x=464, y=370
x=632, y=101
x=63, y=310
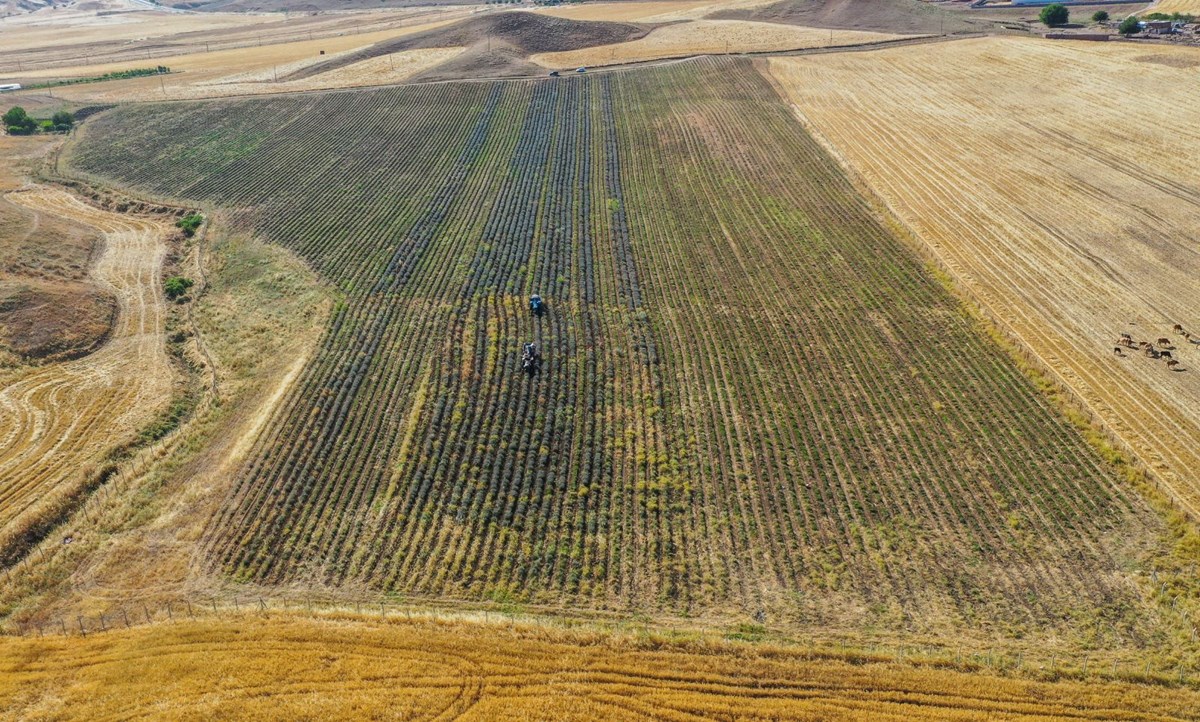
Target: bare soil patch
x=49, y=307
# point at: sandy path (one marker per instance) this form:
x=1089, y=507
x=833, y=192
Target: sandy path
x=58, y=421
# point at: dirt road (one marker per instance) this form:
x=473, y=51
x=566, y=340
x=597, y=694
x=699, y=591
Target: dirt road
x=57, y=422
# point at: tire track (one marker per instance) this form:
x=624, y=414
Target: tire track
x=57, y=422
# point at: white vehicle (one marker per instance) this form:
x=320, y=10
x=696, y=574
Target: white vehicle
x=9, y=87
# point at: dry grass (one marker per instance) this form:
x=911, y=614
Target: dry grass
x=707, y=36
x=287, y=667
x=1064, y=202
x=258, y=320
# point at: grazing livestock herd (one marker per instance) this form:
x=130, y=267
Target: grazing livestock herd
x=1160, y=349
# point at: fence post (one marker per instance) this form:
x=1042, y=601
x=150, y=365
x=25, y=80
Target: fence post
x=62, y=624
x=147, y=611
x=236, y=608
x=103, y=626
x=214, y=603
x=84, y=632
x=169, y=615
x=126, y=615
x=189, y=606
x=261, y=604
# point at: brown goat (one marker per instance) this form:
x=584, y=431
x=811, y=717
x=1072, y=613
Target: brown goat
x=1173, y=365
x=1178, y=328
x=1164, y=342
x=1165, y=354
x=1117, y=350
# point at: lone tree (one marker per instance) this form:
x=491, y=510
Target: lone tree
x=1129, y=25
x=1100, y=16
x=1055, y=14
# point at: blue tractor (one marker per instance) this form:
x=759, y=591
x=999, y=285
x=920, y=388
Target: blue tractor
x=536, y=305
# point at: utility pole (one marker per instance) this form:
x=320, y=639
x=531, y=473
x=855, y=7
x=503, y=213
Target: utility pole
x=162, y=84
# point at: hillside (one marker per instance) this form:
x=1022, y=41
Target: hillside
x=499, y=43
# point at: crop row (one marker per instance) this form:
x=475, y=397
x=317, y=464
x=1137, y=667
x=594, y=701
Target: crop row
x=752, y=393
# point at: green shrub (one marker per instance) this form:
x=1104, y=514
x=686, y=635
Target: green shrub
x=190, y=223
x=1129, y=25
x=1055, y=14
x=1100, y=16
x=176, y=286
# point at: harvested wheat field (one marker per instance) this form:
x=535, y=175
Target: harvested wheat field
x=1066, y=203
x=705, y=37
x=63, y=43
x=284, y=667
x=59, y=421
x=1187, y=7
x=655, y=11
x=245, y=71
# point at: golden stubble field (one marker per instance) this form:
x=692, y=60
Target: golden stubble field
x=655, y=11
x=1176, y=6
x=285, y=667
x=249, y=71
x=1058, y=183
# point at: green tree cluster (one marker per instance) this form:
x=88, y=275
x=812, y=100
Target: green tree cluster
x=19, y=122
x=1129, y=25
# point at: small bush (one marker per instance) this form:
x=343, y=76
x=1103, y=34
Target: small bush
x=62, y=121
x=177, y=286
x=190, y=223
x=1055, y=14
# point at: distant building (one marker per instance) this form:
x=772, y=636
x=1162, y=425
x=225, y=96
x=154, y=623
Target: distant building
x=9, y=87
x=1159, y=27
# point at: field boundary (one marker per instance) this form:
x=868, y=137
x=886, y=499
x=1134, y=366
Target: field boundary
x=661, y=634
